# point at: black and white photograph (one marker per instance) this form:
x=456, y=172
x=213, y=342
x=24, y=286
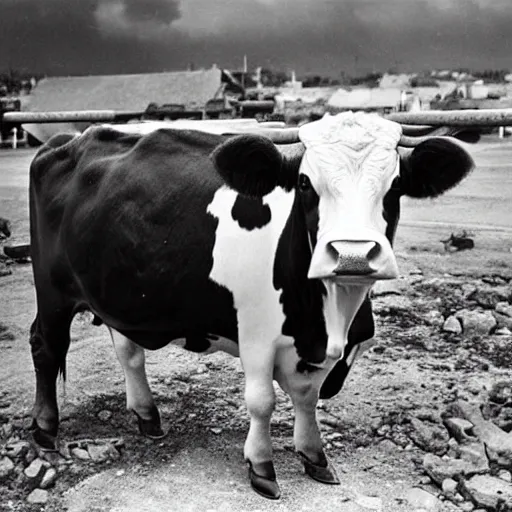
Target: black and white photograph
x=255, y=255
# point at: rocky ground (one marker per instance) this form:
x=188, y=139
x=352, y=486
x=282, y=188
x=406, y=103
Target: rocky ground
x=423, y=423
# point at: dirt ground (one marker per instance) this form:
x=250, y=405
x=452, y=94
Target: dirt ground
x=415, y=371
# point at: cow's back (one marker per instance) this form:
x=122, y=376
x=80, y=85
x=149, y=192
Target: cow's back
x=119, y=225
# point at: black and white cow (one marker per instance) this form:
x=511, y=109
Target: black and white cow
x=234, y=243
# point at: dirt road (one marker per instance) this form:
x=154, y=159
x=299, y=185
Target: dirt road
x=370, y=429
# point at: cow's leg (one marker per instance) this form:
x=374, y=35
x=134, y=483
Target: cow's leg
x=258, y=362
x=304, y=388
x=49, y=341
x=139, y=399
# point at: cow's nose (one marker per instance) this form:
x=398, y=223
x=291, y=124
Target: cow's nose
x=354, y=257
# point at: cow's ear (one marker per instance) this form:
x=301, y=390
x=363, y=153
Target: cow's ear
x=433, y=167
x=249, y=164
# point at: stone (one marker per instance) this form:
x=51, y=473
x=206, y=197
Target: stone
x=449, y=487
x=429, y=436
x=503, y=331
x=488, y=298
x=475, y=454
x=434, y=318
x=102, y=452
x=504, y=308
x=35, y=470
x=466, y=506
x=459, y=428
x=476, y=322
x=49, y=478
x=418, y=498
x=488, y=492
x=386, y=287
x=216, y=430
x=502, y=320
x=501, y=392
x=440, y=469
x=18, y=449
x=38, y=497
x=104, y=415
x=80, y=453
x=6, y=467
x=505, y=475
x=452, y=325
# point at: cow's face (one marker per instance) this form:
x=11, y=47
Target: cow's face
x=348, y=174
x=348, y=168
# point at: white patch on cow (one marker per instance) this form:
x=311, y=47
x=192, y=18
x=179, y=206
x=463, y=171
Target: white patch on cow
x=351, y=160
x=243, y=260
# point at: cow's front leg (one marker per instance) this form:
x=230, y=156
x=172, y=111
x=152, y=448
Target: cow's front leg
x=303, y=388
x=258, y=363
x=139, y=399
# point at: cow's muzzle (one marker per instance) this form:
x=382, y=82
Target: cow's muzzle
x=354, y=260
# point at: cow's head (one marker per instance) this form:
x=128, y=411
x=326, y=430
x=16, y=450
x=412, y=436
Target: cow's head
x=349, y=174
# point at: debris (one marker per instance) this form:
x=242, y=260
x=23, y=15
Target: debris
x=459, y=242
x=501, y=392
x=18, y=449
x=102, y=452
x=488, y=492
x=429, y=436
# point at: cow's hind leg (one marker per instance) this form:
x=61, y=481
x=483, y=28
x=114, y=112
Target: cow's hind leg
x=49, y=340
x=139, y=398
x=303, y=388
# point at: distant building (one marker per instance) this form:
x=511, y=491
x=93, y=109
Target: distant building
x=181, y=90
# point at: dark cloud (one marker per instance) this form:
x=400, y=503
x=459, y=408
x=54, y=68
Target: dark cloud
x=165, y=11
x=311, y=36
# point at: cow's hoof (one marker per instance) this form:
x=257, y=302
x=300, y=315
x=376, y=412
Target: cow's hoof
x=151, y=428
x=44, y=440
x=263, y=480
x=322, y=472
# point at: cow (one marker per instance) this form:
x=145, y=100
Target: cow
x=266, y=251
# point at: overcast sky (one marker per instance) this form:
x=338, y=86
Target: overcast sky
x=61, y=37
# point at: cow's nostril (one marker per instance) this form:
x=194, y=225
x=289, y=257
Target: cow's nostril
x=354, y=257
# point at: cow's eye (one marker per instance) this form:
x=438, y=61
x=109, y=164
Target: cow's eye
x=304, y=183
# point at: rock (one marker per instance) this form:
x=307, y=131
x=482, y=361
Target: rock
x=501, y=392
x=505, y=475
x=452, y=325
x=434, y=318
x=18, y=449
x=475, y=454
x=488, y=492
x=440, y=469
x=466, y=506
x=476, y=322
x=459, y=428
x=7, y=429
x=6, y=467
x=504, y=308
x=38, y=497
x=104, y=415
x=35, y=470
x=503, y=331
x=386, y=287
x=102, y=452
x=216, y=430
x=80, y=453
x=49, y=478
x=488, y=298
x=449, y=487
x=418, y=498
x=429, y=436
x=502, y=320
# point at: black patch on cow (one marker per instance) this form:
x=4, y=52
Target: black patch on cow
x=139, y=248
x=250, y=212
x=302, y=298
x=250, y=164
x=433, y=167
x=197, y=342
